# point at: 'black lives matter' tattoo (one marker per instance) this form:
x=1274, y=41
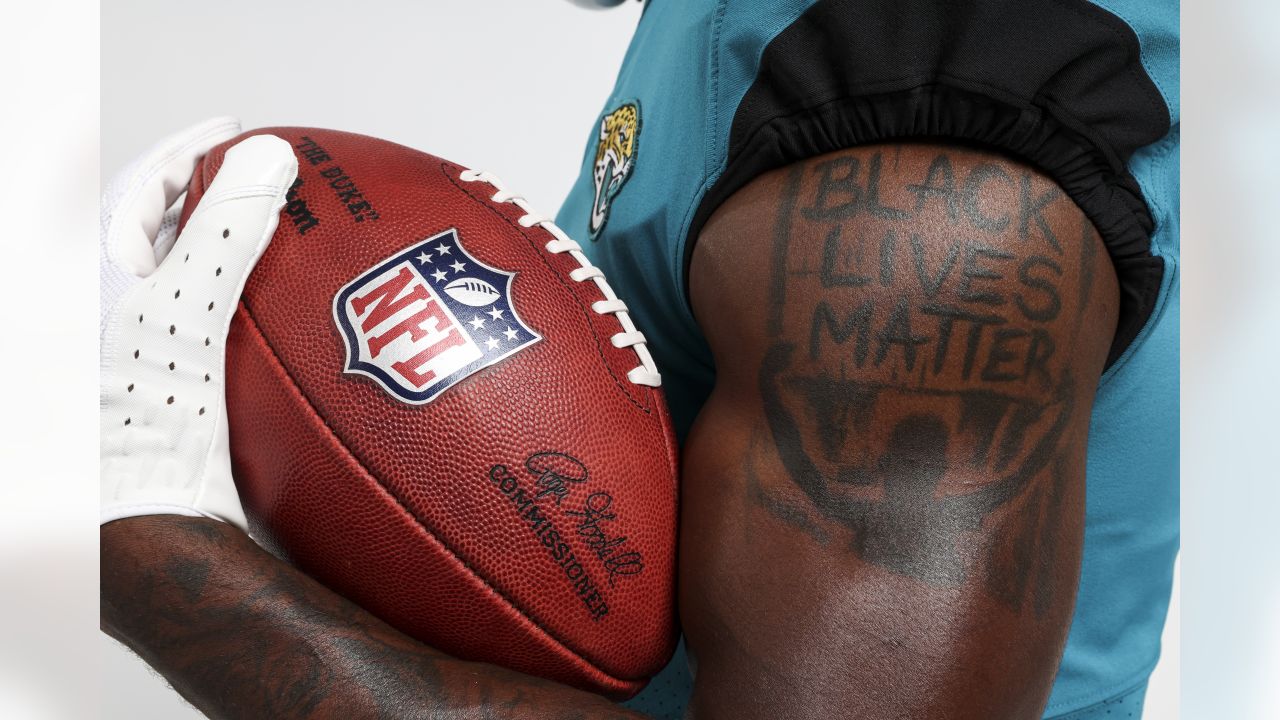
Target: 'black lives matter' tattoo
x=915, y=381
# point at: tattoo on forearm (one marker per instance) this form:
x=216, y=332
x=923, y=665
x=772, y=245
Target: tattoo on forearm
x=241, y=634
x=918, y=380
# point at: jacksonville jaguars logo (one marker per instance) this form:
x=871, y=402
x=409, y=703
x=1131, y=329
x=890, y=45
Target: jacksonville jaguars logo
x=424, y=319
x=615, y=158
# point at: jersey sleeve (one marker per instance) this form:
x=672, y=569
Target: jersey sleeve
x=1059, y=84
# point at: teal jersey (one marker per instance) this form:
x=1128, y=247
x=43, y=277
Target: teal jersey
x=712, y=93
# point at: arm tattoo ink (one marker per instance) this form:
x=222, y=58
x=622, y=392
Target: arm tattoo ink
x=918, y=377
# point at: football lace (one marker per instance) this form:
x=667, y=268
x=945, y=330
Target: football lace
x=630, y=337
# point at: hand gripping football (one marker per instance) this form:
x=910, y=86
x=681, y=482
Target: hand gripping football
x=438, y=408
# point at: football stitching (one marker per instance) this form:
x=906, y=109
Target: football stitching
x=444, y=166
x=350, y=453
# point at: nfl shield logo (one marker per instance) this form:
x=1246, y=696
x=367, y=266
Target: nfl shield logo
x=424, y=319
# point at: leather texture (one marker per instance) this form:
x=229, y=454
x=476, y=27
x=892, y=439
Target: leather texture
x=397, y=505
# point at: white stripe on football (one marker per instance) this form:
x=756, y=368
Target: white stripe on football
x=473, y=292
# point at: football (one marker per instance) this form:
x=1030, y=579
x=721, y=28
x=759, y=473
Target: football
x=439, y=408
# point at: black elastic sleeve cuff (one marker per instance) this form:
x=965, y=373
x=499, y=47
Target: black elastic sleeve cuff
x=1056, y=83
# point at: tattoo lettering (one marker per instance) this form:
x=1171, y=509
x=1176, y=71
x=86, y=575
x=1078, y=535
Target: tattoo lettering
x=917, y=379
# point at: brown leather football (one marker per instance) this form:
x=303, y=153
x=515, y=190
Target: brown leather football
x=439, y=409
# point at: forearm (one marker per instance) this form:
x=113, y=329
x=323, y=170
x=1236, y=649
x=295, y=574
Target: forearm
x=241, y=634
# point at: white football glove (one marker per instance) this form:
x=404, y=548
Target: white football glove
x=166, y=307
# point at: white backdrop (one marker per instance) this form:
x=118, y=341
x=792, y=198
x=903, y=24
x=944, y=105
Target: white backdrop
x=512, y=86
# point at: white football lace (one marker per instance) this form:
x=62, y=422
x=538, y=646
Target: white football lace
x=630, y=337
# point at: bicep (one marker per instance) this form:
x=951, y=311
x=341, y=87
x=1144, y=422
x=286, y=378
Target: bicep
x=883, y=497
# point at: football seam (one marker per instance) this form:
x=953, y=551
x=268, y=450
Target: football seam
x=445, y=166
x=535, y=625
x=668, y=445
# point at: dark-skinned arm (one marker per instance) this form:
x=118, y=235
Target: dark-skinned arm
x=241, y=634
x=883, y=500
